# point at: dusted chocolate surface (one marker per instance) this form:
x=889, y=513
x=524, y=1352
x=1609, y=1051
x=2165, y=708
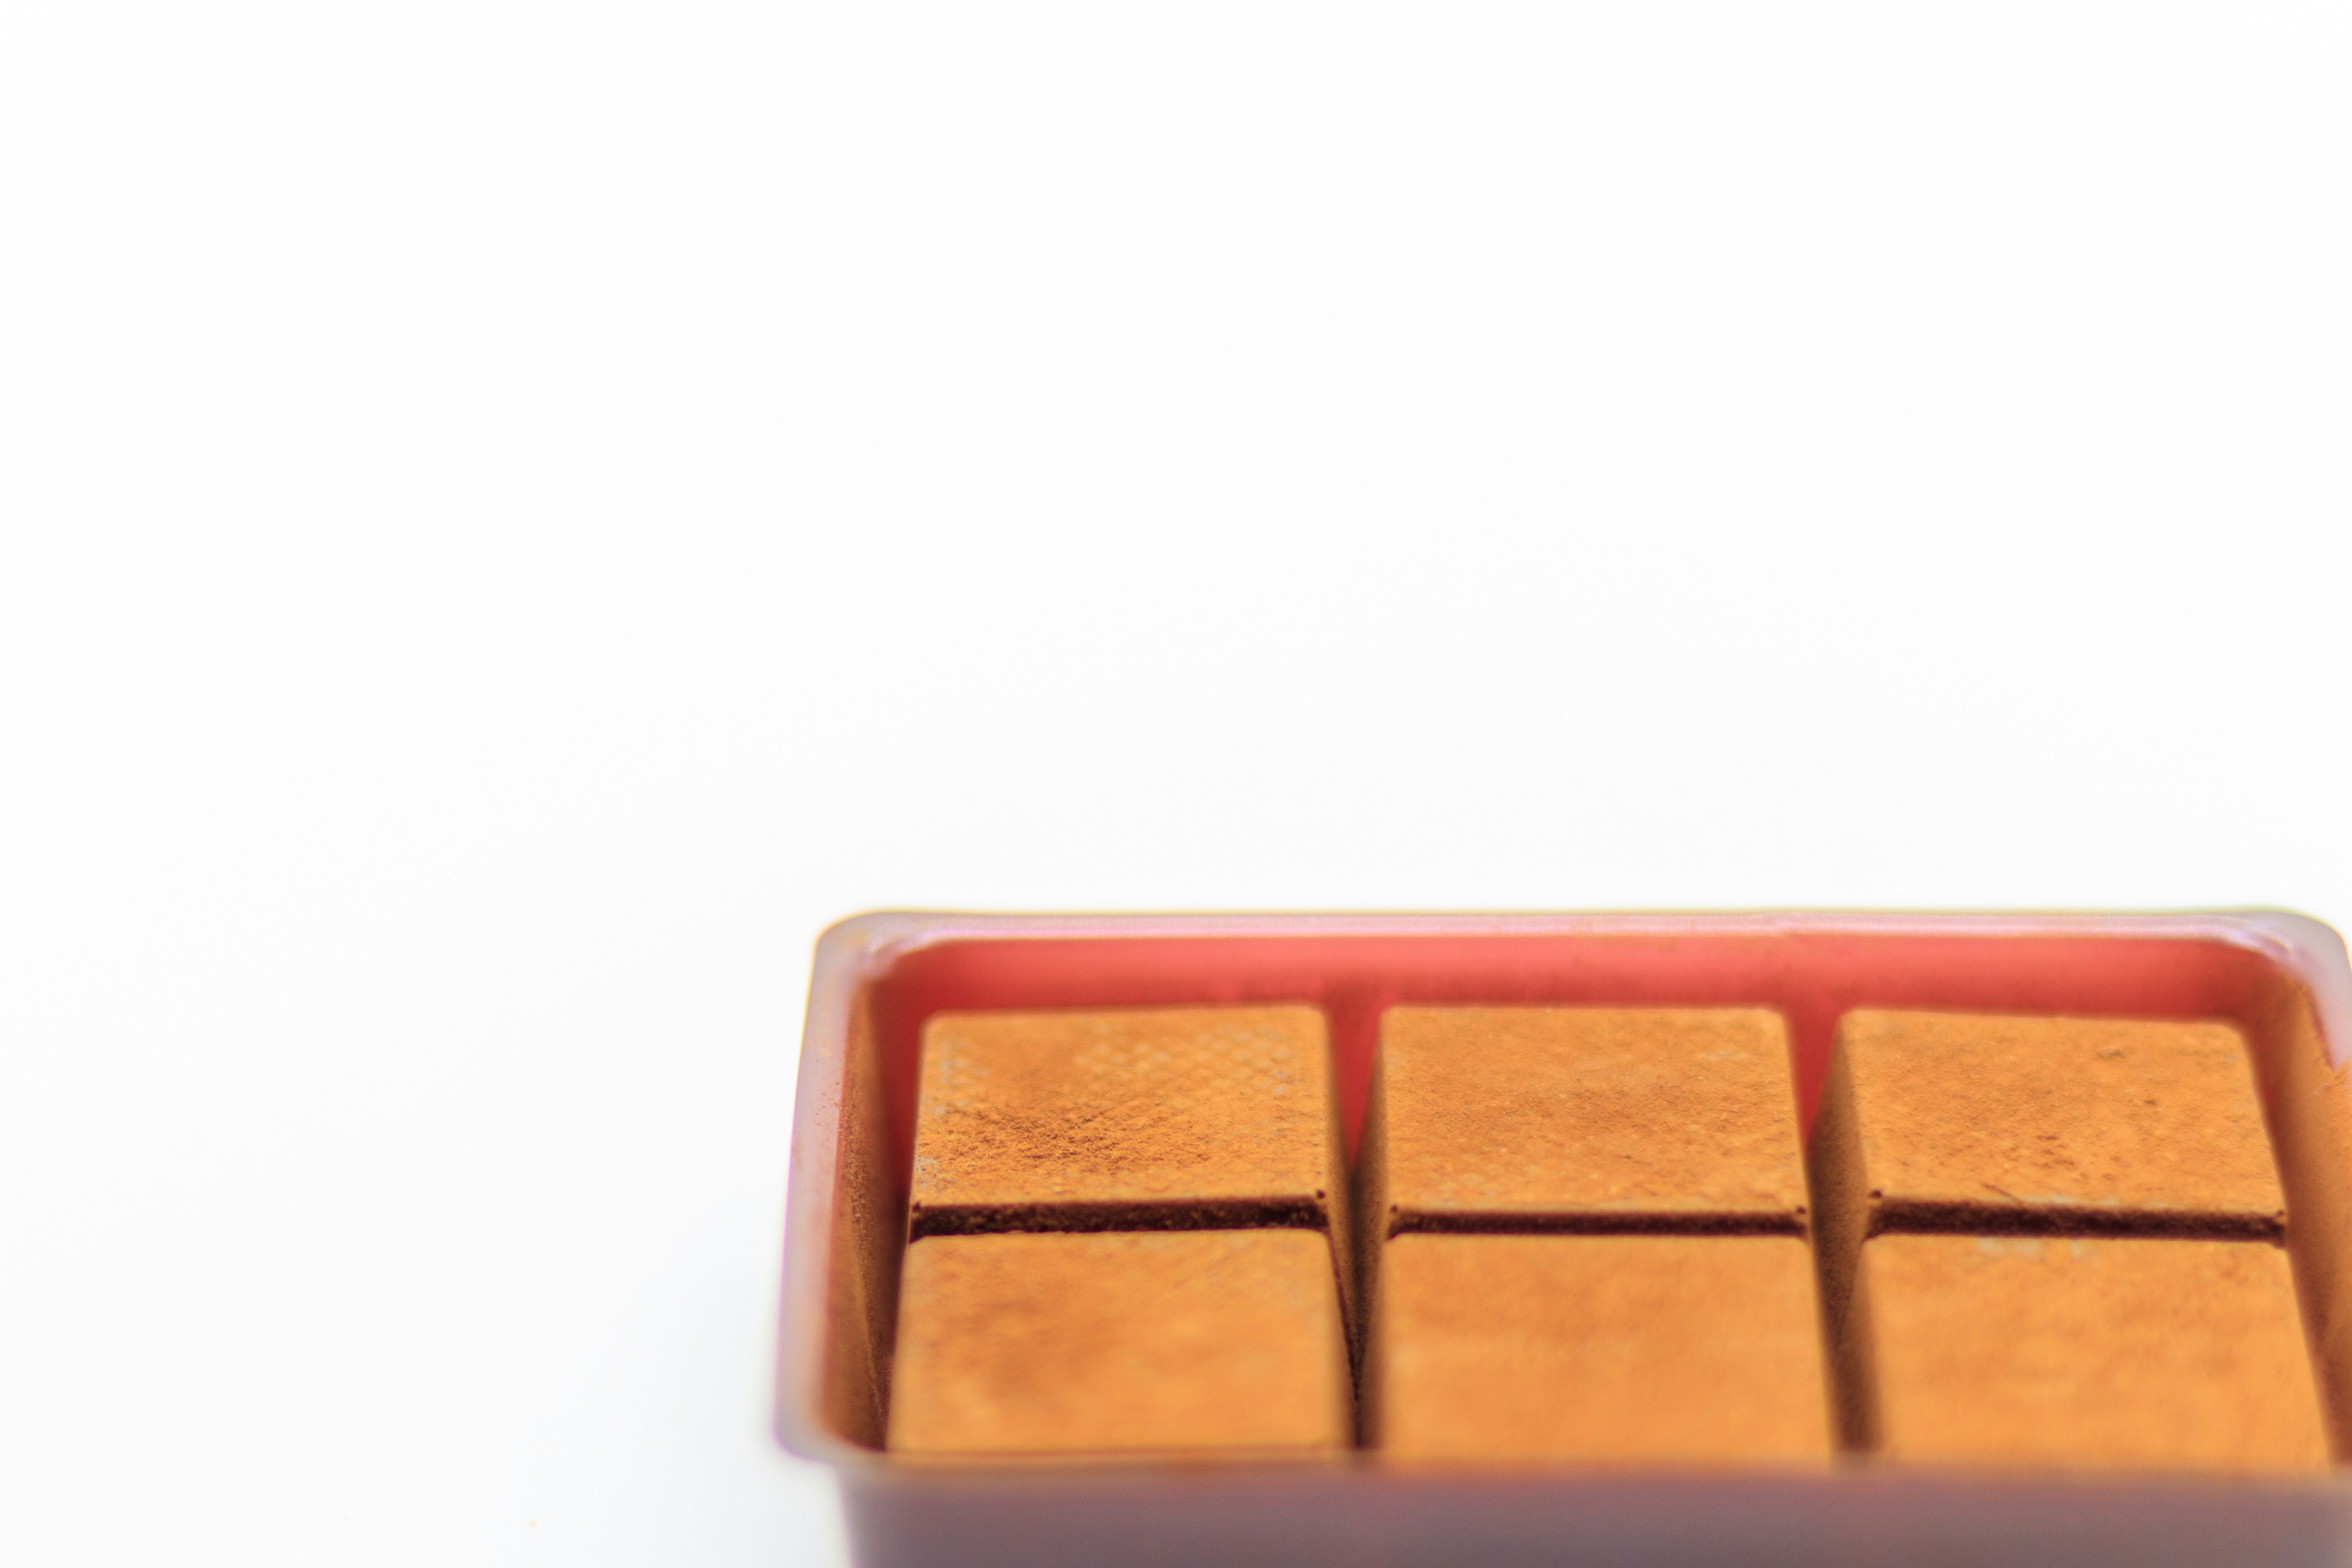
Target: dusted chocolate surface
x=2090, y=1353
x=1636, y=1113
x=1199, y=1106
x=1113, y=1342
x=1973, y=1111
x=1599, y=1350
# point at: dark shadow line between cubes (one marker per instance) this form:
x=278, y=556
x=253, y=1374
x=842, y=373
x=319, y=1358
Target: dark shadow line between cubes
x=1901, y=1217
x=1786, y=1223
x=1004, y=1219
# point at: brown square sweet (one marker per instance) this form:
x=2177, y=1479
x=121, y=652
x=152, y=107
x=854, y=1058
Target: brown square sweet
x=2090, y=1353
x=1630, y=1118
x=1598, y=1350
x=1961, y=1116
x=1189, y=1115
x=1113, y=1342
x=1986, y=1125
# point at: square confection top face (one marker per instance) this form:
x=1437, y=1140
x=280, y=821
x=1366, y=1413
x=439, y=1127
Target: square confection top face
x=1669, y=1111
x=1974, y=1110
x=1120, y=1342
x=2088, y=1353
x=1601, y=1349
x=1145, y=1105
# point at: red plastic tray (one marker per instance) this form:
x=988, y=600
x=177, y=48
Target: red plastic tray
x=2283, y=978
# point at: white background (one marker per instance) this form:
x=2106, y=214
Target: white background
x=517, y=516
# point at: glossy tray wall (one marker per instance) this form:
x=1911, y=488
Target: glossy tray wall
x=2282, y=978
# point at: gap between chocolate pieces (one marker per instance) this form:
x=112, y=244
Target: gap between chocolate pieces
x=1596, y=1223
x=1224, y=1214
x=1896, y=1217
